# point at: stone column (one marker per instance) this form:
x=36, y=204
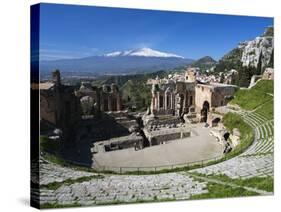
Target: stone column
x=158, y=101
x=172, y=102
x=118, y=102
x=152, y=104
x=109, y=103
x=171, y=99
x=165, y=101
x=101, y=103
x=184, y=101
x=168, y=104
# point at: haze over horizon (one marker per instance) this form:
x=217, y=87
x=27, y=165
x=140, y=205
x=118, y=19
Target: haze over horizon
x=72, y=31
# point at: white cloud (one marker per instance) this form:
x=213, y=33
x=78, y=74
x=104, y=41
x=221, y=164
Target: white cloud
x=56, y=54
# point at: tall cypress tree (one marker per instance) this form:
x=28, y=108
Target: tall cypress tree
x=259, y=66
x=271, y=61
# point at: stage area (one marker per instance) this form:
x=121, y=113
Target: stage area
x=199, y=146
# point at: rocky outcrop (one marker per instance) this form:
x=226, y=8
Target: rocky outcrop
x=258, y=52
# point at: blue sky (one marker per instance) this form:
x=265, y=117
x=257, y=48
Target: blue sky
x=69, y=31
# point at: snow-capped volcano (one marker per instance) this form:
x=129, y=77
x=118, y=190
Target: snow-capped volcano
x=142, y=52
x=125, y=62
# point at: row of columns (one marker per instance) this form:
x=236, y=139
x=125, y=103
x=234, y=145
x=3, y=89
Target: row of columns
x=111, y=103
x=169, y=101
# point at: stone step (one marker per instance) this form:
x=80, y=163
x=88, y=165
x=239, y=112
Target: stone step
x=260, y=115
x=251, y=121
x=257, y=119
x=265, y=146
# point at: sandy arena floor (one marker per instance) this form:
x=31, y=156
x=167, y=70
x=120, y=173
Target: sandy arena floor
x=200, y=146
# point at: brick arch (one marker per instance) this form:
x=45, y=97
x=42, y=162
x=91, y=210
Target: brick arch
x=204, y=111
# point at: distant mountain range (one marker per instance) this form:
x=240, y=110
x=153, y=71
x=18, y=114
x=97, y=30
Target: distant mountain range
x=142, y=52
x=134, y=61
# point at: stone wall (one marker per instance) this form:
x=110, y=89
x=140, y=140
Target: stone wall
x=123, y=142
x=215, y=94
x=202, y=93
x=173, y=98
x=268, y=74
x=162, y=135
x=59, y=106
x=163, y=121
x=105, y=98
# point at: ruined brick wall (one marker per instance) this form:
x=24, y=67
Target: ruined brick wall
x=47, y=107
x=202, y=93
x=215, y=95
x=172, y=98
x=106, y=98
x=222, y=95
x=59, y=106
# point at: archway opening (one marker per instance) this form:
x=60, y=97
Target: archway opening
x=215, y=121
x=204, y=111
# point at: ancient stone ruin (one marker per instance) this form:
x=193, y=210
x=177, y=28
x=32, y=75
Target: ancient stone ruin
x=95, y=115
x=59, y=108
x=179, y=97
x=103, y=99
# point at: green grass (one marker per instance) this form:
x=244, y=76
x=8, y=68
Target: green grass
x=254, y=97
x=154, y=200
x=267, y=110
x=261, y=183
x=222, y=191
x=114, y=202
x=47, y=145
x=233, y=120
x=54, y=205
x=56, y=185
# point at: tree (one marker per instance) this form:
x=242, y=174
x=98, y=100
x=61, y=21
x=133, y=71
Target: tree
x=259, y=66
x=222, y=78
x=244, y=77
x=271, y=61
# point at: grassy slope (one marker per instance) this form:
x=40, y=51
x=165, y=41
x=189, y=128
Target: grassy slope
x=267, y=109
x=222, y=191
x=262, y=183
x=254, y=97
x=233, y=120
x=56, y=185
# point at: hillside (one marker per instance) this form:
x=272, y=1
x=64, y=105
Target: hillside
x=249, y=57
x=204, y=63
x=259, y=98
x=256, y=53
x=135, y=93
